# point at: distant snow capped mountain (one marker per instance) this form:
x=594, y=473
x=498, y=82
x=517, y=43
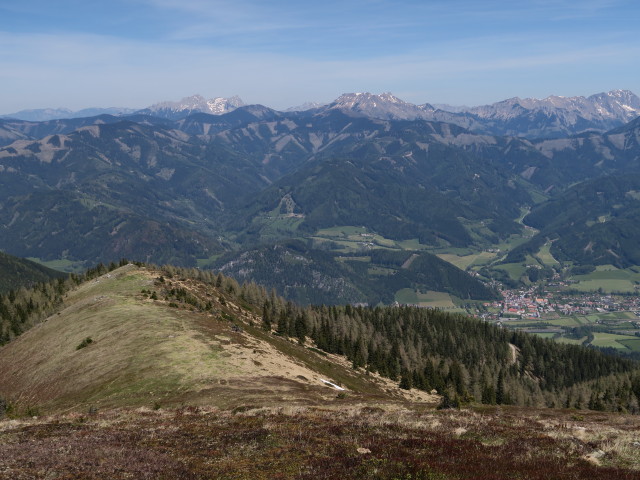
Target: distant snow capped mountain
x=553, y=116
x=621, y=105
x=451, y=108
x=384, y=106
x=305, y=106
x=389, y=107
x=193, y=104
x=45, y=114
x=556, y=116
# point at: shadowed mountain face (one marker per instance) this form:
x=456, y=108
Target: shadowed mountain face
x=18, y=272
x=593, y=223
x=311, y=276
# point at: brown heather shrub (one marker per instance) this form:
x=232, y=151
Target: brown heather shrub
x=311, y=444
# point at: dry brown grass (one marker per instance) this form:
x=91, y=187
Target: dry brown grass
x=295, y=442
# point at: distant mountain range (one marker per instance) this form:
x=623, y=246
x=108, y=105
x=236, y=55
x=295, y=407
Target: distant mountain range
x=189, y=189
x=532, y=118
x=44, y=114
x=168, y=109
x=553, y=116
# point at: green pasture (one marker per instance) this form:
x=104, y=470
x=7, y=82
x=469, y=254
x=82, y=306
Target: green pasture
x=465, y=261
x=565, y=322
x=632, y=344
x=62, y=265
x=545, y=256
x=545, y=334
x=515, y=270
x=427, y=299
x=609, y=279
x=571, y=341
x=601, y=339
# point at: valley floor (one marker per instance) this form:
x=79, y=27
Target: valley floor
x=389, y=441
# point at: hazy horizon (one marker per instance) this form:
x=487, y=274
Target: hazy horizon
x=72, y=54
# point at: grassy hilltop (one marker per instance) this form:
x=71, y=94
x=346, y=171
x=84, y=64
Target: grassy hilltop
x=144, y=352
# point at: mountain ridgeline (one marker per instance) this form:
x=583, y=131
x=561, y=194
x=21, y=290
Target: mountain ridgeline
x=192, y=187
x=463, y=359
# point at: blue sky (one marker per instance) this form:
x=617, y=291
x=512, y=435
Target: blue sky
x=280, y=53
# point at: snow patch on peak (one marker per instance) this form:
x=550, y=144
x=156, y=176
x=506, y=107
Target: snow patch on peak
x=196, y=103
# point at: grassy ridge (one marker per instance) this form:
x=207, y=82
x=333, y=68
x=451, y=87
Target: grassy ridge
x=148, y=347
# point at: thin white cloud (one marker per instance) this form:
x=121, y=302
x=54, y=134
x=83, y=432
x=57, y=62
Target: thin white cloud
x=90, y=70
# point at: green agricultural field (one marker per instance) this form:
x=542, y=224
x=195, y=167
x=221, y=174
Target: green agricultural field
x=565, y=322
x=528, y=323
x=611, y=340
x=364, y=259
x=381, y=271
x=352, y=238
x=607, y=286
x=465, y=261
x=571, y=341
x=458, y=251
x=515, y=240
x=545, y=334
x=609, y=279
x=384, y=242
x=62, y=265
x=406, y=296
x=344, y=231
x=206, y=262
x=515, y=270
x=279, y=226
x=545, y=256
x=632, y=344
x=413, y=244
x=428, y=299
x=436, y=300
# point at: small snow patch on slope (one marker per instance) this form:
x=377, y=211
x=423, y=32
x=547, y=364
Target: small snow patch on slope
x=327, y=382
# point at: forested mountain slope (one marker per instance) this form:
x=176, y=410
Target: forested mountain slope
x=17, y=272
x=311, y=276
x=596, y=222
